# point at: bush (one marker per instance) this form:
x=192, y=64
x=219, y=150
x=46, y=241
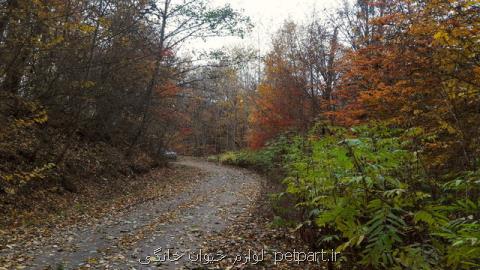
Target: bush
x=365, y=192
x=263, y=160
x=368, y=195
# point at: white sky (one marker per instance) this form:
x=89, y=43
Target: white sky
x=267, y=16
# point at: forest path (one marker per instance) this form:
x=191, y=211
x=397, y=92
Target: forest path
x=181, y=224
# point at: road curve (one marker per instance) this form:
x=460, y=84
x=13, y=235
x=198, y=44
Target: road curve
x=179, y=224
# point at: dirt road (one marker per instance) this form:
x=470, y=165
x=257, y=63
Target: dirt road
x=170, y=228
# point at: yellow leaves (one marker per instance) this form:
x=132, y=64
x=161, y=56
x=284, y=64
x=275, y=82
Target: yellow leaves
x=448, y=127
x=10, y=190
x=28, y=122
x=92, y=261
x=444, y=38
x=54, y=42
x=17, y=179
x=86, y=28
x=441, y=35
x=87, y=84
x=457, y=90
x=39, y=116
x=37, y=173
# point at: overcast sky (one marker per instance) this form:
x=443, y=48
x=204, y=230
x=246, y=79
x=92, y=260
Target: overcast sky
x=267, y=16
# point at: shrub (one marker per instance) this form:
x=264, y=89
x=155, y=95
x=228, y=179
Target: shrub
x=368, y=195
x=263, y=160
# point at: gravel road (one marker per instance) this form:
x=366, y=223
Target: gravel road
x=170, y=230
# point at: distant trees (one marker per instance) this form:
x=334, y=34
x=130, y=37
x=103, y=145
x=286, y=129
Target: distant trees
x=217, y=105
x=179, y=21
x=301, y=75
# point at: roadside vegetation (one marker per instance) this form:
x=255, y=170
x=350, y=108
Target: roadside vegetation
x=375, y=137
x=365, y=191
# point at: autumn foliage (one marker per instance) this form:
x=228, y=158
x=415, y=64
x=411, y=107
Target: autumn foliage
x=409, y=63
x=421, y=70
x=383, y=162
x=92, y=86
x=280, y=105
x=300, y=75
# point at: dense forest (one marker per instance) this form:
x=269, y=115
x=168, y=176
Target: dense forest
x=97, y=83
x=368, y=115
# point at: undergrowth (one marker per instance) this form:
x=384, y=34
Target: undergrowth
x=365, y=192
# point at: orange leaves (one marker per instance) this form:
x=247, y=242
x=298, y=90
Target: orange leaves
x=167, y=89
x=280, y=105
x=413, y=65
x=422, y=76
x=258, y=138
